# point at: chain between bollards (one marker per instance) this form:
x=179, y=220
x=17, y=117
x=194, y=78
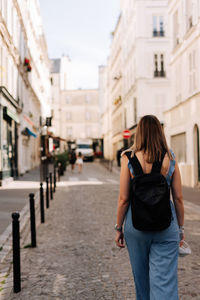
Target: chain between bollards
x=47, y=192
x=32, y=220
x=42, y=203
x=16, y=252
x=51, y=186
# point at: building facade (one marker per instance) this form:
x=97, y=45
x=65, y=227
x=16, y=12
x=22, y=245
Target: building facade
x=80, y=114
x=24, y=86
x=138, y=67
x=105, y=112
x=75, y=112
x=59, y=83
x=182, y=121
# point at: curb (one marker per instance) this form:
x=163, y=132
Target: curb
x=115, y=169
x=6, y=236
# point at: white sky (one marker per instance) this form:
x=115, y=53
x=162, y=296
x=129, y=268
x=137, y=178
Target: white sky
x=82, y=30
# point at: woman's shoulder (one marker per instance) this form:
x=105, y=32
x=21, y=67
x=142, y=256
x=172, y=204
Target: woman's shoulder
x=127, y=153
x=172, y=154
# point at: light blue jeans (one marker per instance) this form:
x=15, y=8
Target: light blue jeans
x=154, y=259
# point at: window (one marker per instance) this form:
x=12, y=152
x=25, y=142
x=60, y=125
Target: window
x=192, y=71
x=69, y=131
x=189, y=17
x=159, y=70
x=178, y=143
x=87, y=99
x=176, y=40
x=87, y=116
x=67, y=100
x=68, y=116
x=88, y=131
x=158, y=26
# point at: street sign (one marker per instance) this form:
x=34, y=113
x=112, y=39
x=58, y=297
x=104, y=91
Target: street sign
x=126, y=134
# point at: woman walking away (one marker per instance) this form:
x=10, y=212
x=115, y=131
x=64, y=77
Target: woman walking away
x=72, y=159
x=153, y=228
x=80, y=162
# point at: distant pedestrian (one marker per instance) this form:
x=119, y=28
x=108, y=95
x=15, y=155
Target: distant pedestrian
x=72, y=159
x=119, y=152
x=80, y=162
x=153, y=228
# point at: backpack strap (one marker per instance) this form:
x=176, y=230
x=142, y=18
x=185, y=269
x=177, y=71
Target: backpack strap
x=158, y=164
x=134, y=163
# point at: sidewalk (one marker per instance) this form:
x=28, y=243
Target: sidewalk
x=76, y=257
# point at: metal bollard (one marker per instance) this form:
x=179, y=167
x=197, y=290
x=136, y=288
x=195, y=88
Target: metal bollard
x=42, y=203
x=16, y=252
x=47, y=192
x=51, y=186
x=54, y=179
x=32, y=220
x=59, y=164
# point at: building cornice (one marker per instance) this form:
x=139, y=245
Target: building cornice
x=183, y=102
x=9, y=97
x=8, y=41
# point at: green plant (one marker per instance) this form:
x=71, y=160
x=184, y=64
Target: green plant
x=27, y=246
x=62, y=161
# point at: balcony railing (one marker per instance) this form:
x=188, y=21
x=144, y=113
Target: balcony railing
x=159, y=73
x=157, y=33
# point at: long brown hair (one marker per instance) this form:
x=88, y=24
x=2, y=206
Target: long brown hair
x=150, y=138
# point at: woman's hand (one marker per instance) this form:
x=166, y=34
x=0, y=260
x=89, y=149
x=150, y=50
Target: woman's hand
x=119, y=239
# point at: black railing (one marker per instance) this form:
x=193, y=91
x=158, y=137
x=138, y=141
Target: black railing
x=157, y=33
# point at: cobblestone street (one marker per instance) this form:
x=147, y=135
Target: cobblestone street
x=76, y=257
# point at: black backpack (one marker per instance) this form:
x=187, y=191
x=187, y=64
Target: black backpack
x=150, y=197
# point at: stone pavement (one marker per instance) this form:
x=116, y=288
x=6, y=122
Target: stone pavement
x=76, y=257
x=14, y=195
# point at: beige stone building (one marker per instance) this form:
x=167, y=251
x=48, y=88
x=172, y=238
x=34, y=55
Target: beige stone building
x=59, y=83
x=182, y=120
x=80, y=114
x=138, y=67
x=75, y=112
x=24, y=86
x=105, y=112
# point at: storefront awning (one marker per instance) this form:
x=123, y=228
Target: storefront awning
x=28, y=132
x=31, y=132
x=10, y=114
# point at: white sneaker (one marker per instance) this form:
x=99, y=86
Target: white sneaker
x=184, y=249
